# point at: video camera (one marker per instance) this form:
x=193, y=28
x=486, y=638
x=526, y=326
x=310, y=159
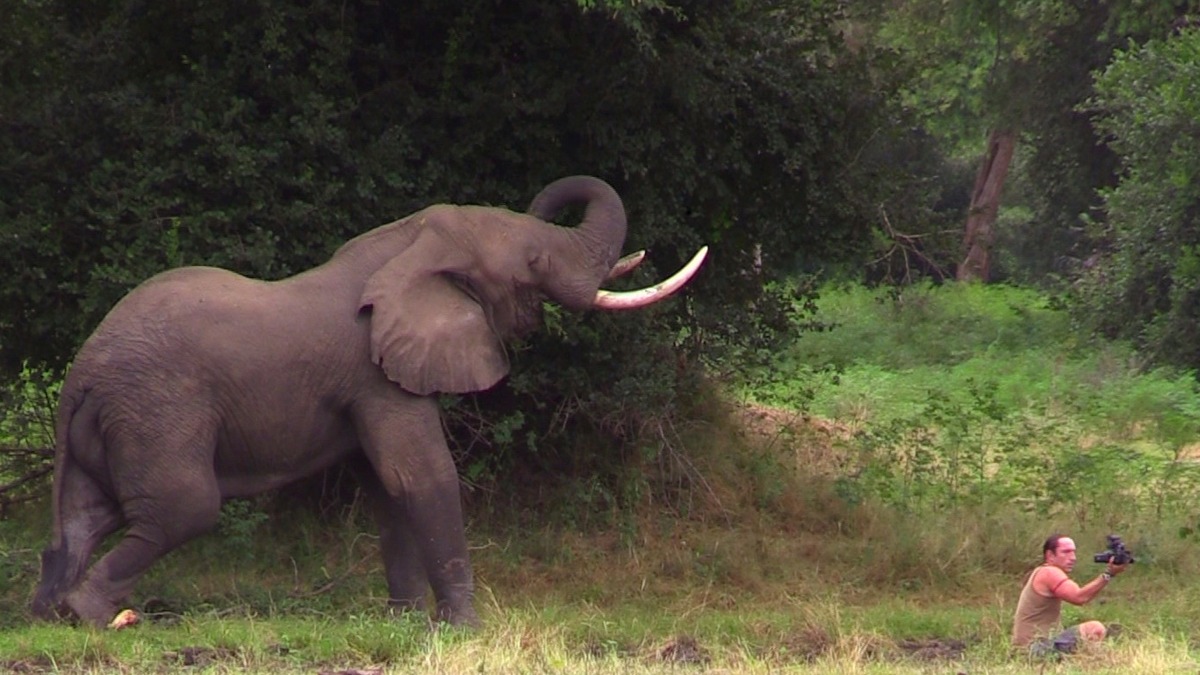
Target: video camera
x=1117, y=553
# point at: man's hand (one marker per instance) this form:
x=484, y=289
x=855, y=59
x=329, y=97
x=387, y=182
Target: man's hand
x=1116, y=569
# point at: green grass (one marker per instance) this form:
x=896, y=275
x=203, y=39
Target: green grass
x=930, y=325
x=796, y=632
x=885, y=351
x=888, y=594
x=972, y=391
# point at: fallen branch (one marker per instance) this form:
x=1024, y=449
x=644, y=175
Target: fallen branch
x=30, y=466
x=33, y=475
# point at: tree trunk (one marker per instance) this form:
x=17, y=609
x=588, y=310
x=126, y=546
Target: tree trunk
x=985, y=204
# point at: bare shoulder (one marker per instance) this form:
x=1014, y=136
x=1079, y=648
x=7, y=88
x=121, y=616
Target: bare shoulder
x=1047, y=578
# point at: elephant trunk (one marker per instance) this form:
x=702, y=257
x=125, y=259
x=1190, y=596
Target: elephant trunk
x=597, y=243
x=601, y=234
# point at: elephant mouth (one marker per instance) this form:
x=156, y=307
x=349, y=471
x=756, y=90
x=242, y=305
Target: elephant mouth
x=620, y=300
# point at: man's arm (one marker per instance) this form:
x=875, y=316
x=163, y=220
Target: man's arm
x=1053, y=582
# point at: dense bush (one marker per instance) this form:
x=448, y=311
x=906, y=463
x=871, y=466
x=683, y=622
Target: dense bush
x=26, y=438
x=965, y=394
x=258, y=135
x=1146, y=287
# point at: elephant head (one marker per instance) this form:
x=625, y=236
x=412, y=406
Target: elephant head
x=472, y=277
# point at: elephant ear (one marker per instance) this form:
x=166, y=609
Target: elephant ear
x=428, y=331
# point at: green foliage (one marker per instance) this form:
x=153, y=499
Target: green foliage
x=963, y=68
x=970, y=59
x=924, y=325
x=257, y=136
x=26, y=437
x=1065, y=158
x=162, y=137
x=1147, y=287
x=979, y=453
x=239, y=523
x=971, y=394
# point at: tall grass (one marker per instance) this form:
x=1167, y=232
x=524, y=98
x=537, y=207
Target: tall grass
x=970, y=393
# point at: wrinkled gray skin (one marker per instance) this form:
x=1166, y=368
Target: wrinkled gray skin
x=202, y=385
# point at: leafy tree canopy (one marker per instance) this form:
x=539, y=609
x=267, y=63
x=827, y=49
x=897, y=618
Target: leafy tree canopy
x=969, y=67
x=1146, y=286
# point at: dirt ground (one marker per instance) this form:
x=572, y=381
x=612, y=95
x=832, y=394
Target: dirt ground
x=819, y=445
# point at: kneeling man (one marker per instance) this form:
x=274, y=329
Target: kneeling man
x=1037, y=624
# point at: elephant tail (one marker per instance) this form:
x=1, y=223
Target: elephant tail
x=56, y=562
x=69, y=402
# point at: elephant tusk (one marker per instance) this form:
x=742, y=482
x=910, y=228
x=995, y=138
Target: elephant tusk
x=645, y=296
x=625, y=265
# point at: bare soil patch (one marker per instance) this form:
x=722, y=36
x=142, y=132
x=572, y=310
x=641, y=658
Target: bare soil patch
x=820, y=446
x=934, y=649
x=683, y=650
x=199, y=656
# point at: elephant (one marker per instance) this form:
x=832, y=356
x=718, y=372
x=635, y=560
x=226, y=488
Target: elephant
x=202, y=385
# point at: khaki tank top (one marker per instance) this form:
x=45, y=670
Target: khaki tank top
x=1036, y=616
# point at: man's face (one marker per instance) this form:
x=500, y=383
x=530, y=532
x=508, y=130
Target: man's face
x=1064, y=556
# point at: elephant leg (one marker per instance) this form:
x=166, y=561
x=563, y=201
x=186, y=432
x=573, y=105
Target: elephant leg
x=402, y=437
x=165, y=504
x=157, y=526
x=406, y=579
x=85, y=516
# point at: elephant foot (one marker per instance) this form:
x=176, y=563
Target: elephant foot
x=462, y=616
x=45, y=610
x=90, y=608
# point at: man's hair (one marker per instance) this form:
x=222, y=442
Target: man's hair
x=1051, y=544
